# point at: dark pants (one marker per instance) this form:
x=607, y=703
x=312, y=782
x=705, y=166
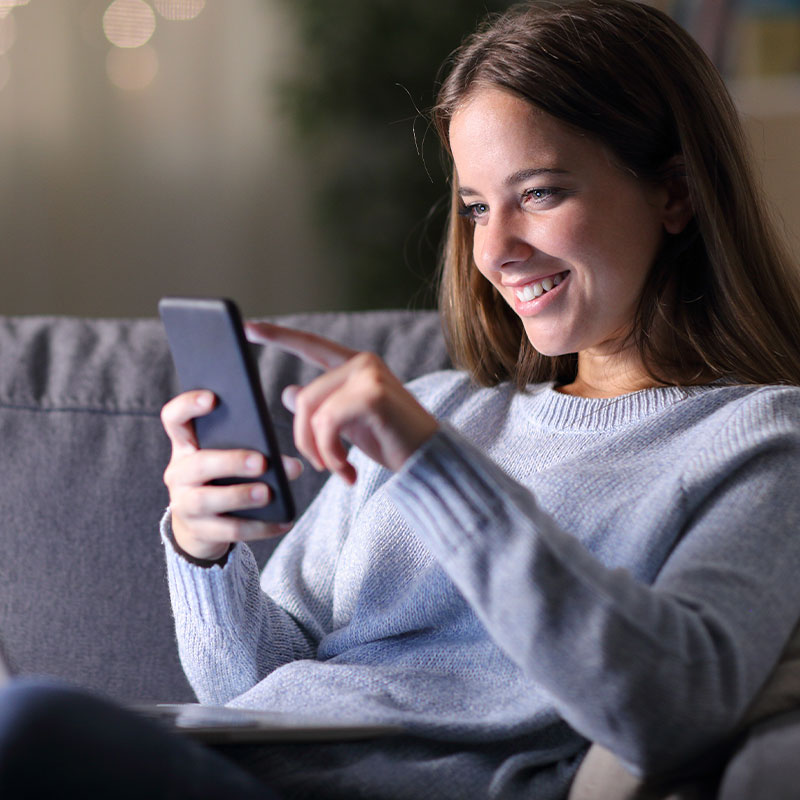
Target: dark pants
x=57, y=741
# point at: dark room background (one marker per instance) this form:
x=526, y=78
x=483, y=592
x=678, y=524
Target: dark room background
x=275, y=151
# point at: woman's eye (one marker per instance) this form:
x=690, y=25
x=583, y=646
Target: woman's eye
x=474, y=211
x=540, y=195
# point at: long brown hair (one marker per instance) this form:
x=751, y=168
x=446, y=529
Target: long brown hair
x=723, y=297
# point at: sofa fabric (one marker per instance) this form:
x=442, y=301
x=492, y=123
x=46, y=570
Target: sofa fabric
x=767, y=764
x=84, y=593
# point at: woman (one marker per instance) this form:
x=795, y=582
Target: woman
x=569, y=539
x=550, y=562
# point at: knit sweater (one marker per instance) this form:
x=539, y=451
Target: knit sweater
x=545, y=571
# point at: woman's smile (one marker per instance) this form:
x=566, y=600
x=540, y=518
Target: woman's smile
x=533, y=295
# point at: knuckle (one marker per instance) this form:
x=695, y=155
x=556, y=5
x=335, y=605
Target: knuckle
x=321, y=420
x=372, y=390
x=368, y=361
x=168, y=415
x=178, y=509
x=169, y=474
x=180, y=470
x=175, y=472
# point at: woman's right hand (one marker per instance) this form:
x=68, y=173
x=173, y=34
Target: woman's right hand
x=199, y=524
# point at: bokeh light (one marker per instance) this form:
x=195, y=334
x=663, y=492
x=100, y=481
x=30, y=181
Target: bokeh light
x=7, y=6
x=129, y=23
x=132, y=69
x=8, y=33
x=179, y=9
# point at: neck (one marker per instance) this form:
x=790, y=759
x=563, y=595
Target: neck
x=605, y=375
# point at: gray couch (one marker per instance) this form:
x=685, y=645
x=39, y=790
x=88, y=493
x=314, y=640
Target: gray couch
x=83, y=595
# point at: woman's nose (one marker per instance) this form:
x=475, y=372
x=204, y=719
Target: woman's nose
x=500, y=242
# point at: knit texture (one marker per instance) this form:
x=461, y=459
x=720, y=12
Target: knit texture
x=546, y=571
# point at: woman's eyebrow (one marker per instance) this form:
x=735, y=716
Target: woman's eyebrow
x=520, y=176
x=523, y=175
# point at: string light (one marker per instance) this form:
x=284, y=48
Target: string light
x=132, y=69
x=7, y=6
x=129, y=23
x=179, y=9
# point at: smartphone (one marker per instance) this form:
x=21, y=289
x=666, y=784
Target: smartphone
x=210, y=351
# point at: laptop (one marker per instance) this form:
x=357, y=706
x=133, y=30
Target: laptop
x=224, y=725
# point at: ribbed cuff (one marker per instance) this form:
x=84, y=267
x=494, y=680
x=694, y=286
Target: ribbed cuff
x=443, y=490
x=209, y=592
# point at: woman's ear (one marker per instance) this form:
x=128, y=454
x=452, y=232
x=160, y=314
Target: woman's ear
x=678, y=209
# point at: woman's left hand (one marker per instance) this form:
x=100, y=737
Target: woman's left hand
x=356, y=399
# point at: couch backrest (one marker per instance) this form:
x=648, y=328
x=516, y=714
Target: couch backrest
x=83, y=594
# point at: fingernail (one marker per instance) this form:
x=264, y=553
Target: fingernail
x=204, y=400
x=258, y=494
x=289, y=398
x=253, y=463
x=297, y=467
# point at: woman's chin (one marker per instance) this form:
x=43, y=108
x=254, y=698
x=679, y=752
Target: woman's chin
x=549, y=348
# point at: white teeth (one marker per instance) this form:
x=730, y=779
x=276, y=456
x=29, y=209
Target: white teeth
x=533, y=290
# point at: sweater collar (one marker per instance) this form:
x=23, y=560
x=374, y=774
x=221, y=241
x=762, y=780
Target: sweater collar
x=552, y=409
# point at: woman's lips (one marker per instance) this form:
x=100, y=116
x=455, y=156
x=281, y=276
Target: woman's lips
x=534, y=295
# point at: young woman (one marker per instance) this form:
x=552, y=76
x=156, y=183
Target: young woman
x=587, y=532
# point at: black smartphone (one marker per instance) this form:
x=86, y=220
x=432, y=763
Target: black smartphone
x=210, y=351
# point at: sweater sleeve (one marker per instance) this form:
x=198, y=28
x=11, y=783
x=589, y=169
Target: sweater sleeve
x=232, y=633
x=659, y=673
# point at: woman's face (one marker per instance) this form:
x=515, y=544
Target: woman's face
x=565, y=235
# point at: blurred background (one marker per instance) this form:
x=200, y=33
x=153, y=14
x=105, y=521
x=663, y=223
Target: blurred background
x=274, y=151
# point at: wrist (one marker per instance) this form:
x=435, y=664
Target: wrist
x=206, y=563
x=212, y=559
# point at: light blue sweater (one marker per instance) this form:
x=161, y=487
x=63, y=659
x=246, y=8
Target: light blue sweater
x=547, y=570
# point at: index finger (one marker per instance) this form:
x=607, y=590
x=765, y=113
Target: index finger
x=310, y=347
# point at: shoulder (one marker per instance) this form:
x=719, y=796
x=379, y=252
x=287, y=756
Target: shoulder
x=752, y=408
x=733, y=425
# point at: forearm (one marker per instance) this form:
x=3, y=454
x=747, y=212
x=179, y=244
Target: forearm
x=230, y=634
x=654, y=673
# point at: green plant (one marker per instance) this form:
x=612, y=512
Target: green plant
x=357, y=112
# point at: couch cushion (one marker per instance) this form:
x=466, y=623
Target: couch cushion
x=83, y=595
